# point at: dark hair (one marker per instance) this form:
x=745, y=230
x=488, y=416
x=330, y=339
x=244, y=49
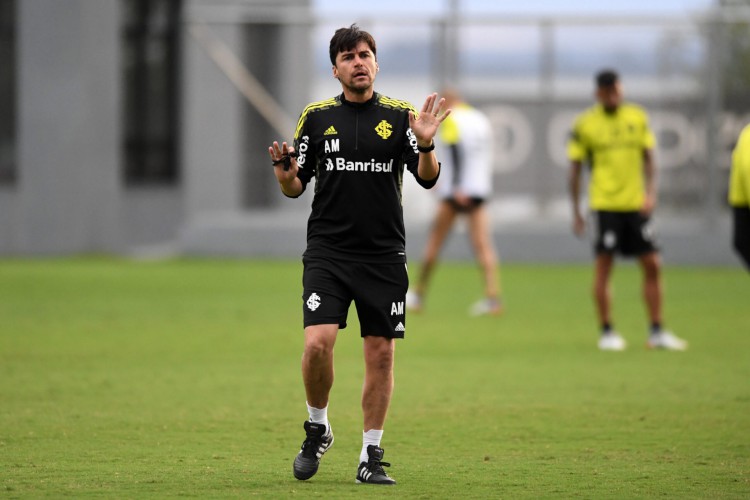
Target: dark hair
x=347, y=39
x=606, y=78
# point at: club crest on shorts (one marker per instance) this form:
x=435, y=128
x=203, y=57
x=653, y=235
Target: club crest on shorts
x=609, y=239
x=313, y=301
x=647, y=231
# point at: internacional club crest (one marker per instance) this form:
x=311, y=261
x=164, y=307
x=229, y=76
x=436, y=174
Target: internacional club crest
x=384, y=129
x=313, y=302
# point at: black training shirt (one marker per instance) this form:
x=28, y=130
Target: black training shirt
x=357, y=153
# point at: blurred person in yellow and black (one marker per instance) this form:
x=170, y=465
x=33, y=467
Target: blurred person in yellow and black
x=614, y=139
x=465, y=184
x=739, y=196
x=357, y=146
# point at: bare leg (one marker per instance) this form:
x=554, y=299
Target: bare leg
x=481, y=239
x=442, y=225
x=317, y=363
x=652, y=294
x=378, y=385
x=317, y=373
x=602, y=295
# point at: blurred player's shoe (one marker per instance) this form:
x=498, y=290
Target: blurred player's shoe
x=487, y=306
x=413, y=301
x=372, y=472
x=318, y=440
x=666, y=340
x=611, y=341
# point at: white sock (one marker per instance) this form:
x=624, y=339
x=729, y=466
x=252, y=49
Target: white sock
x=318, y=415
x=372, y=436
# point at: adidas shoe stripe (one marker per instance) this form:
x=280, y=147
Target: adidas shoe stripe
x=365, y=473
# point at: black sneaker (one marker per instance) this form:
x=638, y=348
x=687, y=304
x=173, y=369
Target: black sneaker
x=372, y=472
x=314, y=446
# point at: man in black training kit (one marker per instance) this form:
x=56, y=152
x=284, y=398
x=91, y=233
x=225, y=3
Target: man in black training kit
x=356, y=145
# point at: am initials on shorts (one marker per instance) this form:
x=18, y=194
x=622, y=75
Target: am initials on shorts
x=397, y=308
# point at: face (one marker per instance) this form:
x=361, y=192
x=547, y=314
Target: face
x=610, y=96
x=356, y=69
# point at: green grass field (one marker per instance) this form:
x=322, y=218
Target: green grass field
x=125, y=379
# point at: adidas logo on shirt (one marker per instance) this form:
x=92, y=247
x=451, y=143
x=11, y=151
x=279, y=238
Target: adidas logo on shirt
x=400, y=327
x=330, y=131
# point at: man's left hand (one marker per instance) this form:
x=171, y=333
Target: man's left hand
x=430, y=117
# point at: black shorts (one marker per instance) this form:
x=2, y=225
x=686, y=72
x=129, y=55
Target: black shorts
x=627, y=233
x=474, y=203
x=741, y=233
x=378, y=292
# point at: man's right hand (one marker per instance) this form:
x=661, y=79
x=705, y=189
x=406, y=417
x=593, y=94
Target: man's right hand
x=278, y=155
x=281, y=156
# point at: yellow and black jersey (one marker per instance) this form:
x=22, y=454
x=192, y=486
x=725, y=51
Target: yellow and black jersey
x=739, y=179
x=357, y=153
x=613, y=145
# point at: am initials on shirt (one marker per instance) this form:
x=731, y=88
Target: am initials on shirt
x=332, y=146
x=397, y=308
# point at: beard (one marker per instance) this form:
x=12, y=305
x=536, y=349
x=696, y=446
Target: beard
x=358, y=88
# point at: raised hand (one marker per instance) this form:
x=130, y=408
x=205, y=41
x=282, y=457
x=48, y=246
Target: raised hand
x=430, y=117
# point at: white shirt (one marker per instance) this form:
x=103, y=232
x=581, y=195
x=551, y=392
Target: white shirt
x=470, y=131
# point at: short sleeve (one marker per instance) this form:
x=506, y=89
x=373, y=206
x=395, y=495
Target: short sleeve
x=739, y=179
x=649, y=139
x=576, y=148
x=449, y=131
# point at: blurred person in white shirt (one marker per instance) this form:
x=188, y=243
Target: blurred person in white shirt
x=465, y=184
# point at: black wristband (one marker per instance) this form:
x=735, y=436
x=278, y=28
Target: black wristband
x=427, y=149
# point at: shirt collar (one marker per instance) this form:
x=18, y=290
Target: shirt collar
x=360, y=105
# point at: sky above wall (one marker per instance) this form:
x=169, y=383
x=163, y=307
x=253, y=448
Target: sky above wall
x=516, y=48
x=434, y=7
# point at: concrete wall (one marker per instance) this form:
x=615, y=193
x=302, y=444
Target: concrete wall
x=212, y=132
x=67, y=194
x=227, y=168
